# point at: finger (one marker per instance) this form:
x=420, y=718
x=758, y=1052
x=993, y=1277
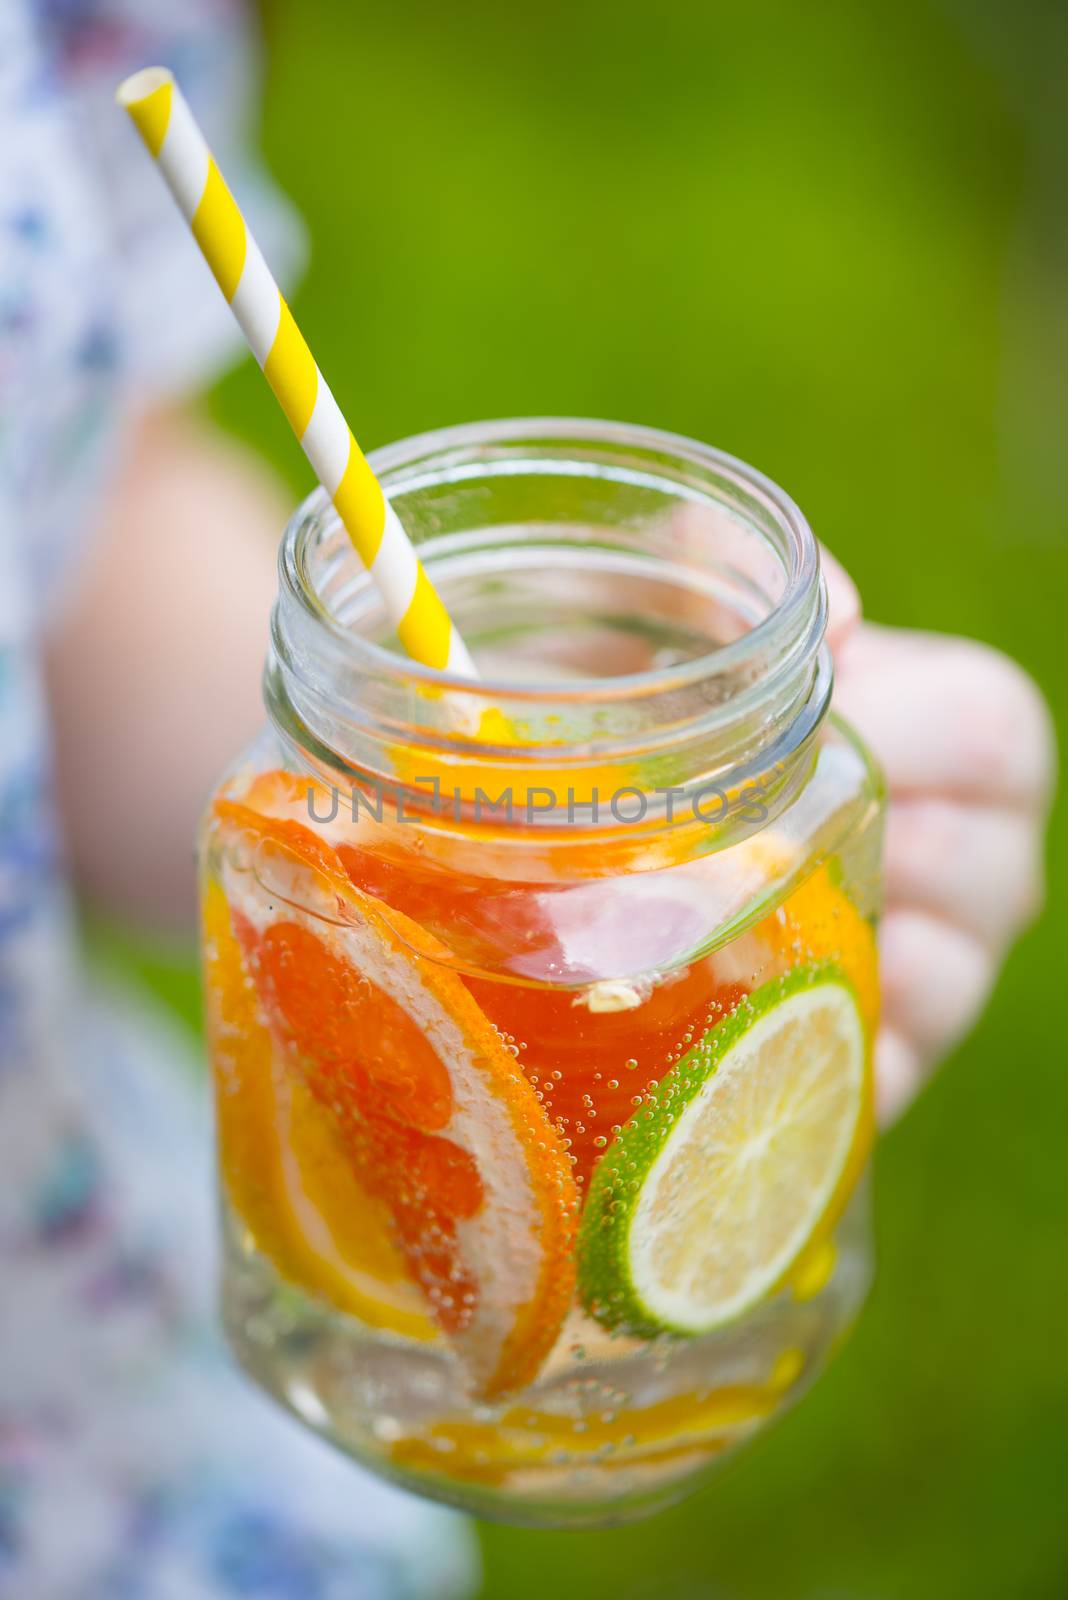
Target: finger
x=935, y=980
x=843, y=600
x=898, y=1075
x=947, y=716
x=976, y=866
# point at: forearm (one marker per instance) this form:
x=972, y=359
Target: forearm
x=154, y=669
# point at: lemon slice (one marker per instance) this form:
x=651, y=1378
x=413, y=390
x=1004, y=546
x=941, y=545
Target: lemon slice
x=743, y=1156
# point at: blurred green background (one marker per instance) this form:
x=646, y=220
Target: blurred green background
x=831, y=239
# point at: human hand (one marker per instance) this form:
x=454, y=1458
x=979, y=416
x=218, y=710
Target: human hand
x=966, y=743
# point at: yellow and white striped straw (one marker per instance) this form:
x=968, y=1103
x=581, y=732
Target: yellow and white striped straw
x=166, y=124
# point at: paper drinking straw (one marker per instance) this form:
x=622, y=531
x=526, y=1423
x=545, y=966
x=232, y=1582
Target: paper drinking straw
x=160, y=113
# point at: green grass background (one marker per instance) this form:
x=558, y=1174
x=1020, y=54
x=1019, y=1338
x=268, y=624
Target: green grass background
x=831, y=239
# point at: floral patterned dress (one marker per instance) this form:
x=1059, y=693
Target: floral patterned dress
x=135, y=1463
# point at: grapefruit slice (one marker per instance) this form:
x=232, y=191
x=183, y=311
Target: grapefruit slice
x=437, y=1121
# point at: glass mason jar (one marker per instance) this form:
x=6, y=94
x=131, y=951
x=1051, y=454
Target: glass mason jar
x=541, y=1010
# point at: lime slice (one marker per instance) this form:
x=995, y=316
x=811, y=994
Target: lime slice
x=744, y=1154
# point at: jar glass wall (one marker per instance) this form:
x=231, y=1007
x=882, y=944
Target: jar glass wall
x=541, y=1011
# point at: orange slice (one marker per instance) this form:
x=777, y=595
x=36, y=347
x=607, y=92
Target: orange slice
x=434, y=1114
x=286, y=1174
x=703, y=1421
x=819, y=922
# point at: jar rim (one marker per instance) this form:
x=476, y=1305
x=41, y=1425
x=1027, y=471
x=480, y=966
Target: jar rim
x=724, y=722
x=800, y=610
